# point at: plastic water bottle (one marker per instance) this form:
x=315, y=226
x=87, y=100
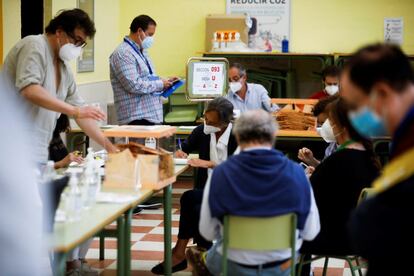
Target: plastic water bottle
x=49, y=172
x=151, y=142
x=214, y=42
x=89, y=187
x=74, y=200
x=90, y=156
x=98, y=179
x=285, y=45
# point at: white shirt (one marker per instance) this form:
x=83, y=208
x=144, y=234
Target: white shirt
x=256, y=98
x=218, y=148
x=211, y=229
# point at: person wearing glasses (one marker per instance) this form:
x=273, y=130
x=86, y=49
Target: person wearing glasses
x=38, y=67
x=247, y=96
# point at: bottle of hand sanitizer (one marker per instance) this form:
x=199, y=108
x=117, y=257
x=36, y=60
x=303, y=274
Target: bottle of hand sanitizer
x=285, y=45
x=215, y=42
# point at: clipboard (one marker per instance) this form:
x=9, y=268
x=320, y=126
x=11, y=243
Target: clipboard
x=177, y=84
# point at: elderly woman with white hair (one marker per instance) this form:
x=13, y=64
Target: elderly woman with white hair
x=258, y=182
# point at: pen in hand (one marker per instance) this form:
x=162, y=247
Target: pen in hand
x=179, y=144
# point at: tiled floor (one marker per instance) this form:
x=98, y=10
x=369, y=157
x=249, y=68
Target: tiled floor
x=147, y=243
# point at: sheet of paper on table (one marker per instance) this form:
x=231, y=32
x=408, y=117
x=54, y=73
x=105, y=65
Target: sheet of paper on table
x=60, y=216
x=187, y=127
x=77, y=169
x=114, y=198
x=180, y=161
x=141, y=127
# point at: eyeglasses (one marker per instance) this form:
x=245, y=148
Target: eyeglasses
x=78, y=42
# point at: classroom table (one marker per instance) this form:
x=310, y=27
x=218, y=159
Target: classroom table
x=68, y=235
x=286, y=135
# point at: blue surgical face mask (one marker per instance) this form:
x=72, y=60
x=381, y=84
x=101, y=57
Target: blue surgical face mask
x=367, y=122
x=147, y=42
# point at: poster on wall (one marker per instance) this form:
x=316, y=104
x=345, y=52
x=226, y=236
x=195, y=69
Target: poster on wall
x=393, y=30
x=269, y=20
x=86, y=62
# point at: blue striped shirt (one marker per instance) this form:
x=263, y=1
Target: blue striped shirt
x=134, y=86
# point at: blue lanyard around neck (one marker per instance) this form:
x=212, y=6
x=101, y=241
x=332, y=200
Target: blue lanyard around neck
x=140, y=54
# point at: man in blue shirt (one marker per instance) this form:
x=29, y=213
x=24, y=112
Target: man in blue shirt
x=134, y=82
x=247, y=96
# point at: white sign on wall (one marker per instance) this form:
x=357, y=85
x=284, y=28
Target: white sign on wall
x=270, y=18
x=393, y=30
x=208, y=78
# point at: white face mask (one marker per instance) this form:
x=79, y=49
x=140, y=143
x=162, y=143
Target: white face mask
x=332, y=89
x=69, y=52
x=326, y=132
x=235, y=86
x=210, y=129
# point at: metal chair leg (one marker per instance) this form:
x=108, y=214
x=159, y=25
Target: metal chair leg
x=300, y=264
x=101, y=247
x=325, y=266
x=359, y=266
x=351, y=266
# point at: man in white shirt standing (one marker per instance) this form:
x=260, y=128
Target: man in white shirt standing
x=258, y=182
x=247, y=96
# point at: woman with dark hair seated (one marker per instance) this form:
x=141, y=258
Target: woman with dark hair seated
x=337, y=183
x=57, y=149
x=214, y=143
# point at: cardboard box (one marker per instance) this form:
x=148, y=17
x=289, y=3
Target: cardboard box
x=216, y=22
x=139, y=166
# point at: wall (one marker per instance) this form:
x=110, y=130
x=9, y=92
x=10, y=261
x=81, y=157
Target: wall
x=317, y=26
x=328, y=26
x=11, y=24
x=180, y=29
x=106, y=38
